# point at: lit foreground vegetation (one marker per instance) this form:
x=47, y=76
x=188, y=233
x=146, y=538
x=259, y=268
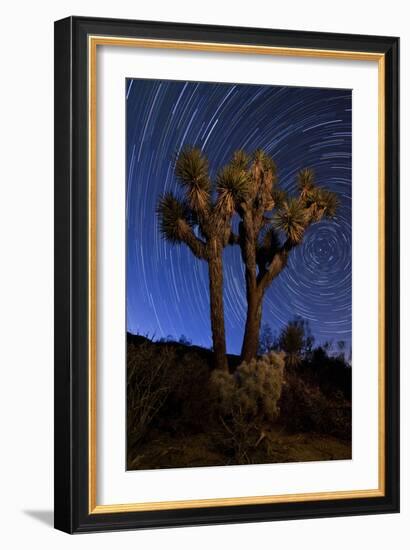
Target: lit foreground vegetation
x=279, y=407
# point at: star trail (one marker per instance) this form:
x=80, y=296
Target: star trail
x=167, y=288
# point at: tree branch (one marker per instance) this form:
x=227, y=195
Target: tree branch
x=187, y=236
x=278, y=263
x=233, y=238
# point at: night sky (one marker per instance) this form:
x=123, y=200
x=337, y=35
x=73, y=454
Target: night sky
x=167, y=288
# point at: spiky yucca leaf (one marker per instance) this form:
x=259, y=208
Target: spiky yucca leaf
x=265, y=160
x=191, y=169
x=232, y=186
x=279, y=196
x=320, y=202
x=172, y=211
x=191, y=166
x=240, y=159
x=312, y=201
x=291, y=219
x=330, y=203
x=306, y=180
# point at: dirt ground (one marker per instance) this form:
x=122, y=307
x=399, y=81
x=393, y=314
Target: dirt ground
x=168, y=451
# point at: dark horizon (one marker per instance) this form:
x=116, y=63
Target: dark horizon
x=167, y=288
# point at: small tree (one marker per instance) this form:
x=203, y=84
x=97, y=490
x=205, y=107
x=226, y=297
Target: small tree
x=292, y=342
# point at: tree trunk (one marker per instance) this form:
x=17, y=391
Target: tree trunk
x=217, y=310
x=253, y=294
x=255, y=291
x=252, y=325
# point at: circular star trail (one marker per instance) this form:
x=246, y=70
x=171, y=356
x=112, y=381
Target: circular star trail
x=167, y=288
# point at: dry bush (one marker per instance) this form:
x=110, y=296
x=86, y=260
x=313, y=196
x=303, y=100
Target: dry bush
x=148, y=386
x=304, y=408
x=166, y=390
x=255, y=387
x=248, y=399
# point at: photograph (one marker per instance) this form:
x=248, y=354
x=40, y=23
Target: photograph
x=238, y=274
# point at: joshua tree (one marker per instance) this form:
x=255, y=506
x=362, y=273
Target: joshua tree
x=200, y=217
x=271, y=224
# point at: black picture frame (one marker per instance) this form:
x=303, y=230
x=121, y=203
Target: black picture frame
x=71, y=482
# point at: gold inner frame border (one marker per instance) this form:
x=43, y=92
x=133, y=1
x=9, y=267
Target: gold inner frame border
x=93, y=43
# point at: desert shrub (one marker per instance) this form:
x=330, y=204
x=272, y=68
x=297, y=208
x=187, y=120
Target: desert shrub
x=291, y=341
x=255, y=387
x=245, y=400
x=332, y=374
x=149, y=382
x=305, y=408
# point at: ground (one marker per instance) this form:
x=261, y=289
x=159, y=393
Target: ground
x=166, y=451
x=173, y=422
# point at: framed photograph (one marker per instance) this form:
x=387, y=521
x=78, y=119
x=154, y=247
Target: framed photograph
x=226, y=274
